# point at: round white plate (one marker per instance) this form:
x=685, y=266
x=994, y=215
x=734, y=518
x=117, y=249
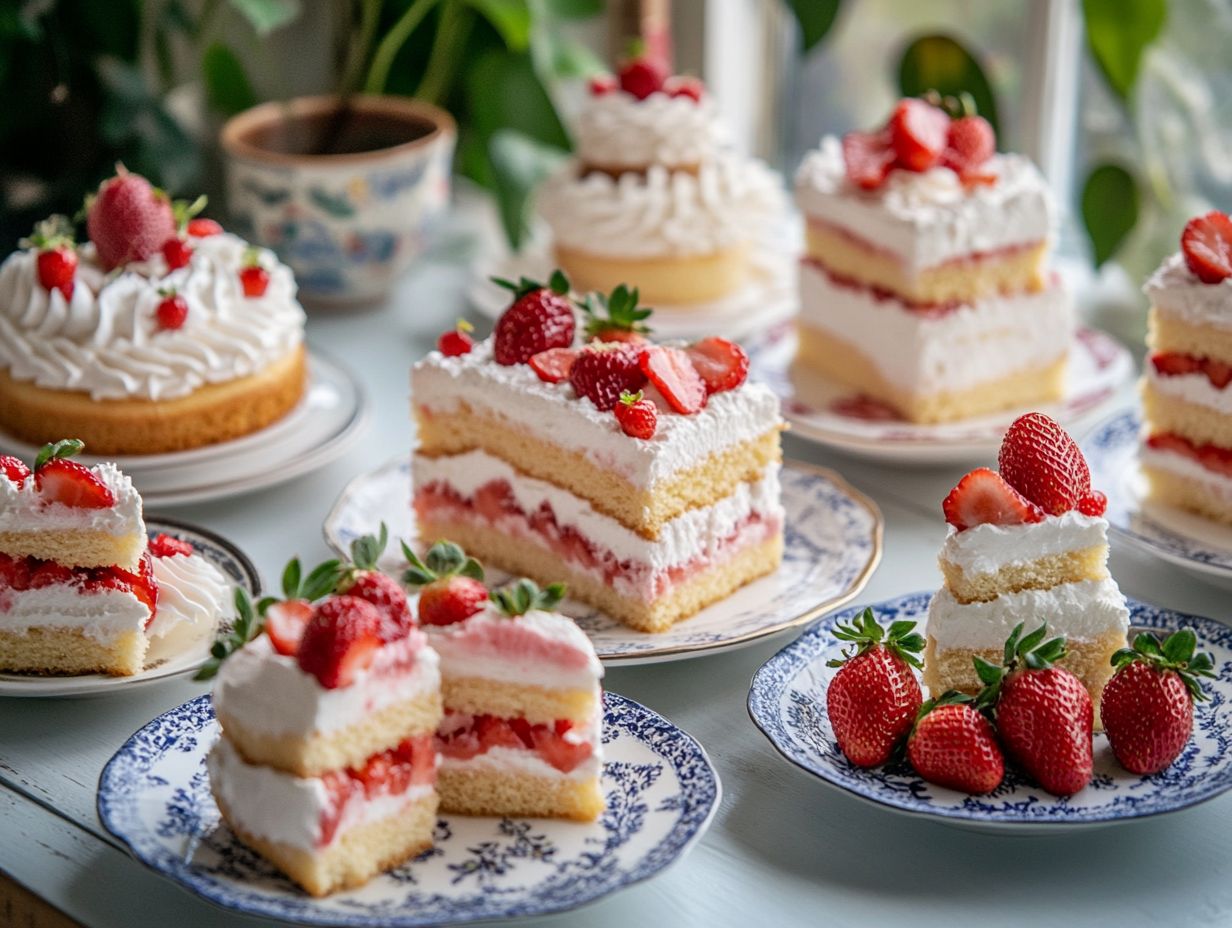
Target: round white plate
x=770, y=297
x=832, y=545
x=841, y=419
x=1199, y=545
x=787, y=702
x=326, y=422
x=167, y=658
x=661, y=790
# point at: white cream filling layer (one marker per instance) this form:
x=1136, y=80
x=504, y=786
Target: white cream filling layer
x=1186, y=467
x=555, y=414
x=270, y=693
x=281, y=807
x=929, y=218
x=950, y=351
x=987, y=548
x=1174, y=290
x=1080, y=611
x=1193, y=388
x=103, y=615
x=22, y=509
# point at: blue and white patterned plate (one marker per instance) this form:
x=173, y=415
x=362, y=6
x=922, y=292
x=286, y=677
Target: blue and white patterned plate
x=1199, y=545
x=661, y=794
x=167, y=658
x=787, y=702
x=832, y=545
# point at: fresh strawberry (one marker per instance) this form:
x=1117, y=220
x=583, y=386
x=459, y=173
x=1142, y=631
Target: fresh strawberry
x=690, y=87
x=616, y=317
x=518, y=598
x=638, y=417
x=553, y=365
x=362, y=578
x=285, y=623
x=874, y=698
x=49, y=573
x=450, y=583
x=601, y=85
x=603, y=371
x=1041, y=461
x=457, y=341
x=722, y=365
x=970, y=142
x=177, y=253
x=63, y=481
x=164, y=545
x=340, y=640
x=642, y=76
x=868, y=158
x=564, y=755
x=1147, y=706
x=954, y=746
x=203, y=228
x=172, y=311
x=496, y=732
x=984, y=498
x=56, y=262
x=674, y=376
x=14, y=469
x=918, y=133
x=1207, y=245
x=1175, y=364
x=254, y=279
x=128, y=220
x=541, y=317
x=1043, y=713
x=1094, y=504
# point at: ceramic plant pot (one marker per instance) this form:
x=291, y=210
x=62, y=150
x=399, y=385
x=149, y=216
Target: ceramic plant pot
x=347, y=193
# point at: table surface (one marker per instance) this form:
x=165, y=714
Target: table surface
x=784, y=848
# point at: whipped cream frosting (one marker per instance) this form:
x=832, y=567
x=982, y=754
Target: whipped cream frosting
x=987, y=548
x=1175, y=290
x=106, y=340
x=282, y=807
x=928, y=218
x=1193, y=388
x=617, y=130
x=192, y=595
x=271, y=694
x=22, y=509
x=954, y=350
x=101, y=615
x=730, y=202
x=1184, y=466
x=1082, y=611
x=517, y=397
x=539, y=648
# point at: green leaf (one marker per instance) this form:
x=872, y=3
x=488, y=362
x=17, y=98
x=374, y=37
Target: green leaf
x=571, y=59
x=1180, y=645
x=510, y=18
x=1118, y=33
x=573, y=9
x=472, y=568
x=941, y=63
x=445, y=558
x=65, y=448
x=227, y=87
x=267, y=15
x=321, y=581
x=1109, y=209
x=519, y=165
x=291, y=579
x=815, y=17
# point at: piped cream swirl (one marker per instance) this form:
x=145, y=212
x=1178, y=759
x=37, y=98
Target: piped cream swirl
x=617, y=130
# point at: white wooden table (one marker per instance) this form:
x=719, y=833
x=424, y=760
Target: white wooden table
x=785, y=849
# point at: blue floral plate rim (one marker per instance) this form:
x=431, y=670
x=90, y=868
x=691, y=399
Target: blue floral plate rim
x=898, y=789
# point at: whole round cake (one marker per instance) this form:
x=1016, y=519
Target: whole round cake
x=161, y=333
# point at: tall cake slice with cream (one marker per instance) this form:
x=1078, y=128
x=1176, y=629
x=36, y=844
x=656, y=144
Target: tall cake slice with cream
x=1186, y=398
x=327, y=765
x=656, y=196
x=1026, y=545
x=925, y=283
x=81, y=588
x=522, y=733
x=644, y=475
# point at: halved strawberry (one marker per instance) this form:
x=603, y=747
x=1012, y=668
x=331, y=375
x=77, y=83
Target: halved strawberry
x=722, y=365
x=49, y=573
x=562, y=754
x=14, y=469
x=918, y=133
x=64, y=481
x=451, y=599
x=982, y=498
x=340, y=640
x=868, y=158
x=1041, y=461
x=285, y=623
x=164, y=545
x=1207, y=245
x=553, y=365
x=673, y=374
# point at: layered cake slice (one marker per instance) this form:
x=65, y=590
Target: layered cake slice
x=1186, y=400
x=924, y=282
x=81, y=591
x=326, y=765
x=522, y=733
x=1026, y=545
x=644, y=475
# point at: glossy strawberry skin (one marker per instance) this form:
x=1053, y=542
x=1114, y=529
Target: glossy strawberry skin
x=1040, y=460
x=129, y=220
x=177, y=253
x=603, y=371
x=454, y=344
x=1094, y=504
x=203, y=228
x=1045, y=720
x=1206, y=243
x=57, y=269
x=553, y=365
x=689, y=87
x=956, y=747
x=171, y=312
x=970, y=142
x=639, y=419
x=918, y=133
x=254, y=281
x=14, y=469
x=540, y=320
x=642, y=76
x=64, y=481
x=722, y=365
x=340, y=640
x=285, y=623
x=872, y=702
x=1148, y=717
x=675, y=377
x=164, y=545
x=451, y=599
x=384, y=592
x=983, y=497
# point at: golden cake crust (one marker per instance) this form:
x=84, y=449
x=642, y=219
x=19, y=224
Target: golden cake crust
x=1041, y=574
x=677, y=281
x=51, y=651
x=539, y=705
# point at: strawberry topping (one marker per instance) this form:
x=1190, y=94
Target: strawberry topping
x=983, y=497
x=722, y=365
x=203, y=228
x=605, y=370
x=128, y=220
x=451, y=599
x=384, y=592
x=969, y=143
x=285, y=623
x=57, y=268
x=918, y=133
x=14, y=469
x=177, y=253
x=340, y=640
x=457, y=341
x=673, y=374
x=682, y=86
x=638, y=417
x=64, y=481
x=540, y=318
x=1207, y=246
x=553, y=365
x=601, y=85
x=642, y=76
x=172, y=311
x=1040, y=460
x=164, y=545
x=868, y=158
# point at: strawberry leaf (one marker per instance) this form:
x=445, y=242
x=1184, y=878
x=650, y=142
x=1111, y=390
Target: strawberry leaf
x=366, y=550
x=291, y=578
x=249, y=623
x=65, y=448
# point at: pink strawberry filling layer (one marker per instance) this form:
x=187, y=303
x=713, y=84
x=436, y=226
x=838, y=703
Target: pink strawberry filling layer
x=493, y=506
x=969, y=259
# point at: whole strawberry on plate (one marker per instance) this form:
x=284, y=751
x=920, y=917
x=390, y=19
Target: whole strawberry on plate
x=953, y=745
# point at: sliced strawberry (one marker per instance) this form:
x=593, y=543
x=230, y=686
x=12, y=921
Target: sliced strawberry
x=285, y=623
x=562, y=754
x=462, y=745
x=164, y=545
x=969, y=143
x=984, y=498
x=203, y=228
x=14, y=469
x=63, y=481
x=723, y=365
x=48, y=573
x=673, y=374
x=451, y=599
x=340, y=640
x=684, y=86
x=918, y=133
x=553, y=365
x=1175, y=365
x=1207, y=245
x=1041, y=461
x=868, y=158
x=496, y=733
x=15, y=572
